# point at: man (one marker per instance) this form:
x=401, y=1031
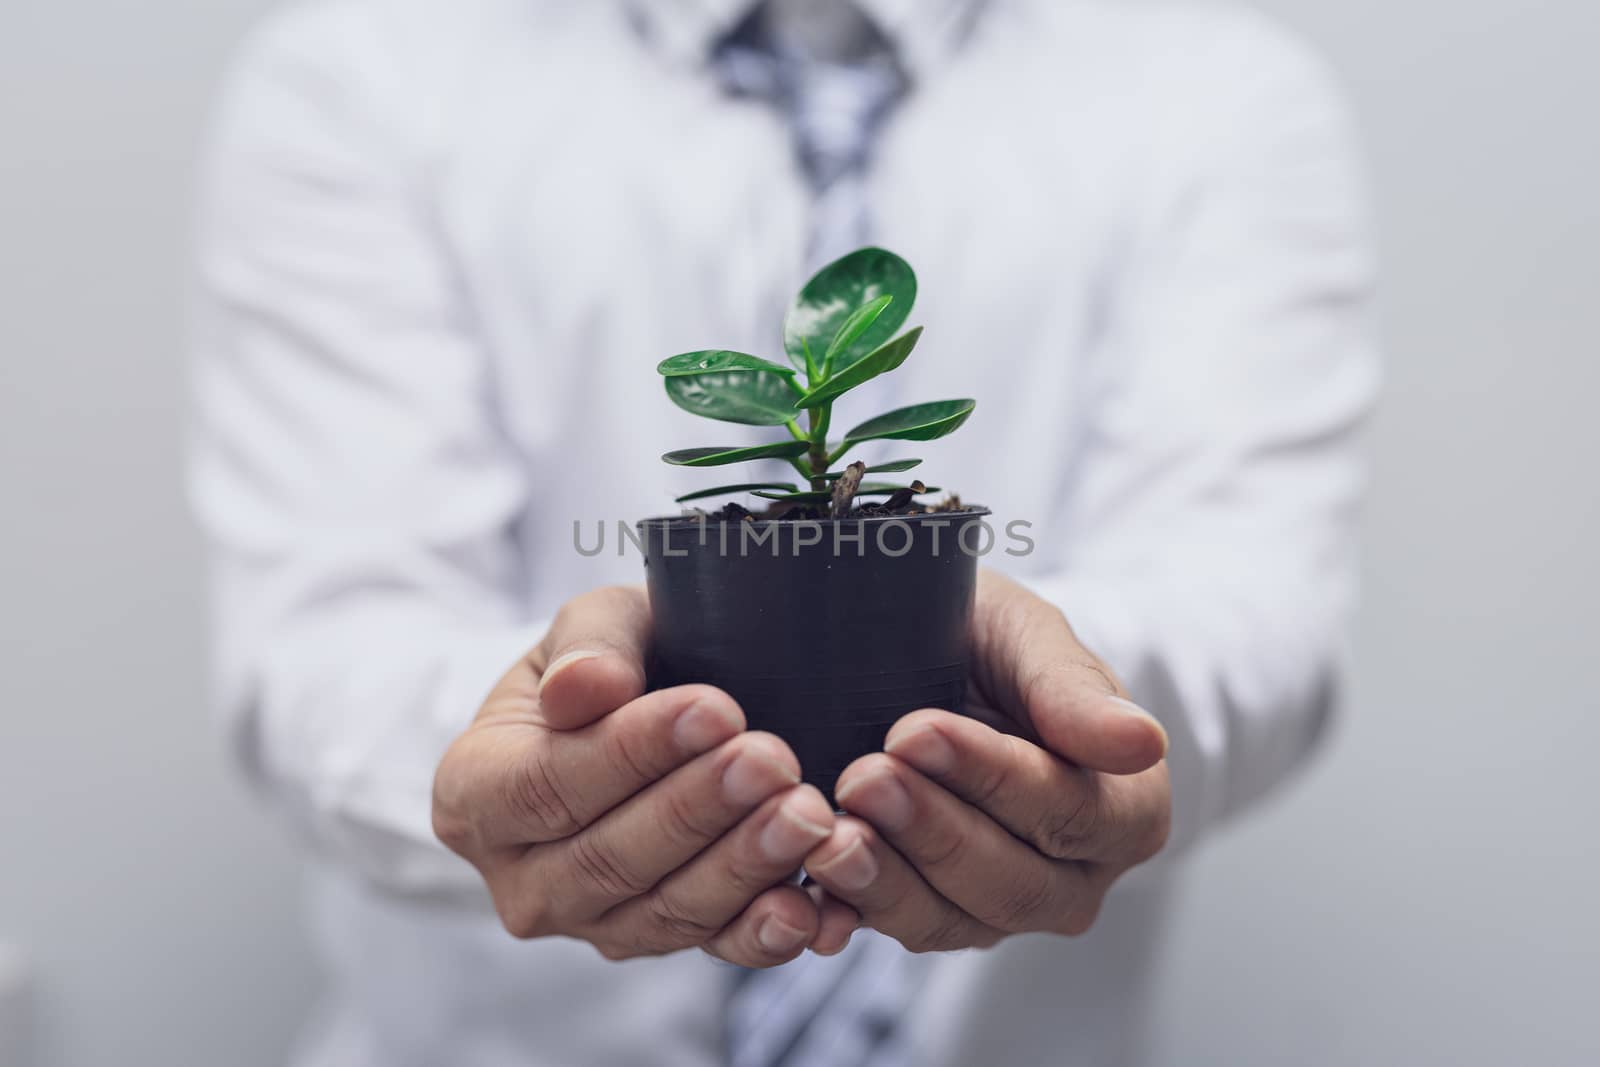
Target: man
x=444, y=245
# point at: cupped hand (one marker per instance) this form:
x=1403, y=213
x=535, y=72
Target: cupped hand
x=962, y=832
x=643, y=823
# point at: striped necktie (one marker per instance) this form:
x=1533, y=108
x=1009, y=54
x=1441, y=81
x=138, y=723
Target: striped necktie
x=833, y=77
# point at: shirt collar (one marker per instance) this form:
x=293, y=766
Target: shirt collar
x=922, y=31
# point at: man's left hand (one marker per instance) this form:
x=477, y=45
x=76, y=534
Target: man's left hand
x=960, y=833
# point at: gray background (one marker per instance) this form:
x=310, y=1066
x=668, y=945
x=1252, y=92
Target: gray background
x=1426, y=894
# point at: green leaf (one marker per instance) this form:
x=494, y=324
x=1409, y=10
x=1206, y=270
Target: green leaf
x=795, y=498
x=719, y=455
x=855, y=326
x=882, y=468
x=919, y=422
x=711, y=360
x=838, y=290
x=881, y=360
x=742, y=487
x=755, y=398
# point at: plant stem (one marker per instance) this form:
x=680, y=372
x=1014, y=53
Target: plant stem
x=818, y=455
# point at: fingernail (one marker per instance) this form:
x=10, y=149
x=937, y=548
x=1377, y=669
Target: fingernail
x=880, y=799
x=789, y=835
x=853, y=869
x=776, y=935
x=562, y=662
x=702, y=725
x=926, y=749
x=1133, y=709
x=753, y=777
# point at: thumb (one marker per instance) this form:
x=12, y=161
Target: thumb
x=592, y=661
x=1031, y=663
x=1098, y=730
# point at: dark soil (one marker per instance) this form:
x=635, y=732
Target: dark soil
x=779, y=511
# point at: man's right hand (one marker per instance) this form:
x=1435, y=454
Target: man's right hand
x=640, y=822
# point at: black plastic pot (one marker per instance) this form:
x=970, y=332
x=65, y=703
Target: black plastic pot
x=825, y=632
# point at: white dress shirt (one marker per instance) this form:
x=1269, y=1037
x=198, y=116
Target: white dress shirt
x=443, y=246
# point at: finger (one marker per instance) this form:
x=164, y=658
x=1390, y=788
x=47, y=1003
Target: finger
x=836, y=921
x=858, y=867
x=592, y=660
x=774, y=929
x=1028, y=659
x=1061, y=810
x=507, y=784
x=698, y=899
x=631, y=848
x=962, y=853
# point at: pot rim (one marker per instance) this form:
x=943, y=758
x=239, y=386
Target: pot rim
x=967, y=511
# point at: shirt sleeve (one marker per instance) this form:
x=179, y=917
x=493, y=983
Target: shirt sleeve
x=1212, y=520
x=347, y=466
